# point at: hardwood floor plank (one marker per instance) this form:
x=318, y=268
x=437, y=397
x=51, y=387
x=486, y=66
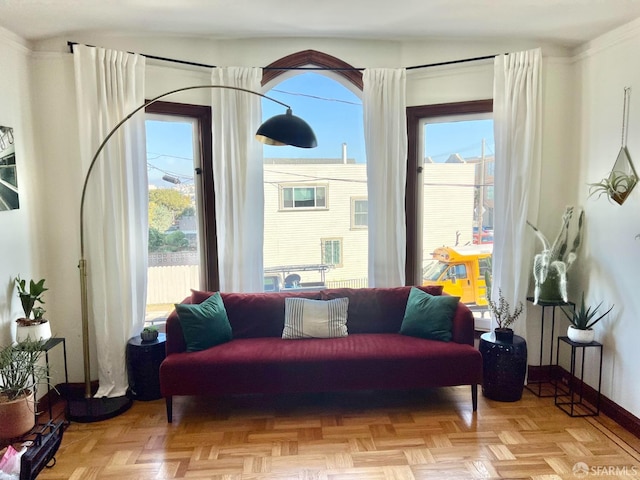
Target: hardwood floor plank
x=365, y=435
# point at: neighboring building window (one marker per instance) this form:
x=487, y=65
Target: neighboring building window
x=332, y=251
x=490, y=192
x=308, y=196
x=359, y=213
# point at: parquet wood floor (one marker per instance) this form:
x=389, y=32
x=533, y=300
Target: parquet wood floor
x=430, y=434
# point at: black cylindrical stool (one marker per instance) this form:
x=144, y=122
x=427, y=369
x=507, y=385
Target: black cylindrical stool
x=143, y=367
x=504, y=365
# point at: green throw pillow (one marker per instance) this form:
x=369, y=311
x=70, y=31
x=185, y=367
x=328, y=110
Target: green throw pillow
x=205, y=324
x=429, y=316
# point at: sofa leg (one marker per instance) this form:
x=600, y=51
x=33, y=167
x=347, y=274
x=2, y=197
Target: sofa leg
x=474, y=397
x=169, y=403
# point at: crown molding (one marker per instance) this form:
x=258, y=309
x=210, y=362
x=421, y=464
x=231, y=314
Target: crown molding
x=15, y=41
x=608, y=40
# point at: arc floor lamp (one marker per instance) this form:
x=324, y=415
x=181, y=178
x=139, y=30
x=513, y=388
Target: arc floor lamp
x=283, y=129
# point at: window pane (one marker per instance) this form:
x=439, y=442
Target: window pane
x=321, y=197
x=304, y=197
x=457, y=206
x=324, y=180
x=174, y=253
x=287, y=197
x=360, y=214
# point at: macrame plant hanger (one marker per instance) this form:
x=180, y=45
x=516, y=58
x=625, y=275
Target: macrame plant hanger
x=623, y=176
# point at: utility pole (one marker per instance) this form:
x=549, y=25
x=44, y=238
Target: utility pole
x=481, y=193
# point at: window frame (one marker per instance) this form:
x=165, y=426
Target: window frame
x=203, y=174
x=413, y=265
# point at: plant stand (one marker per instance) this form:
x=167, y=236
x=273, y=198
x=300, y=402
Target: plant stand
x=48, y=345
x=572, y=402
x=536, y=387
x=504, y=365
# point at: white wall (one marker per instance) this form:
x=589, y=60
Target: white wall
x=610, y=263
x=18, y=254
x=55, y=121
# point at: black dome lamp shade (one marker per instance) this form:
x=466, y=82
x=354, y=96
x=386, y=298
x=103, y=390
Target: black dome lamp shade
x=287, y=129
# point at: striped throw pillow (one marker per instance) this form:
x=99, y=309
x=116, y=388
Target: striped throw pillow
x=305, y=318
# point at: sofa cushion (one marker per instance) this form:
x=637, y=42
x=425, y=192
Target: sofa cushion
x=366, y=361
x=306, y=318
x=204, y=325
x=376, y=310
x=255, y=315
x=429, y=316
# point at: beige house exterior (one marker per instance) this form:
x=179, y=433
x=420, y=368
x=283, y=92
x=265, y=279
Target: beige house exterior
x=298, y=233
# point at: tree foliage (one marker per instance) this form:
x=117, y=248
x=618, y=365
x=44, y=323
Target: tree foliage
x=172, y=199
x=160, y=217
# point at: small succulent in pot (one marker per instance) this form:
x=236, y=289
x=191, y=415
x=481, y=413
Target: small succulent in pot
x=149, y=333
x=582, y=320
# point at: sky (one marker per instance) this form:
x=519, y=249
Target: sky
x=334, y=113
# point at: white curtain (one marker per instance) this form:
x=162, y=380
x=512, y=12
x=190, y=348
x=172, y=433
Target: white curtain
x=517, y=127
x=385, y=135
x=238, y=178
x=109, y=85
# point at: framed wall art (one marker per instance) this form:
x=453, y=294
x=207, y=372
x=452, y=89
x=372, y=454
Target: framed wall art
x=8, y=176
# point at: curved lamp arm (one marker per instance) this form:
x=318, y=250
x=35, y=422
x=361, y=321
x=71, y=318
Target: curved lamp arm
x=285, y=129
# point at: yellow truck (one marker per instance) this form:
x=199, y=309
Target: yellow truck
x=461, y=272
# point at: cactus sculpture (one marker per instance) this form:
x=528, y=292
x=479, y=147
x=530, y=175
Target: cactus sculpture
x=556, y=259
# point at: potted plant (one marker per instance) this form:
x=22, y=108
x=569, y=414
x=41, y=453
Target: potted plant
x=504, y=317
x=149, y=334
x=550, y=266
x=20, y=372
x=582, y=320
x=616, y=186
x=33, y=324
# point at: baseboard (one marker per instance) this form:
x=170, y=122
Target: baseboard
x=624, y=418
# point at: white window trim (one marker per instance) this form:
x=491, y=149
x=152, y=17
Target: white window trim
x=353, y=213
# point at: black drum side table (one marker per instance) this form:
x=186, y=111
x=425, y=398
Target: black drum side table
x=504, y=365
x=143, y=366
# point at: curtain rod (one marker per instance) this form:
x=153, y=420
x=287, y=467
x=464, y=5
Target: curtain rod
x=204, y=65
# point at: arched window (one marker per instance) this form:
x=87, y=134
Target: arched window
x=316, y=200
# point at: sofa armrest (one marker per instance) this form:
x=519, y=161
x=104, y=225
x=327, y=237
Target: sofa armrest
x=463, y=329
x=175, y=338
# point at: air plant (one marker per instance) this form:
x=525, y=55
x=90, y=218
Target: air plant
x=617, y=185
x=557, y=258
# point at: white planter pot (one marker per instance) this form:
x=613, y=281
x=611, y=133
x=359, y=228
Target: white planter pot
x=580, y=336
x=35, y=332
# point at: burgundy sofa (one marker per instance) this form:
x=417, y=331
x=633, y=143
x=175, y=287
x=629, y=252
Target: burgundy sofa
x=374, y=356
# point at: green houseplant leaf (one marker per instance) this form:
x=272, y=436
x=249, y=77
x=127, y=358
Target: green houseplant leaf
x=29, y=297
x=19, y=368
x=583, y=318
